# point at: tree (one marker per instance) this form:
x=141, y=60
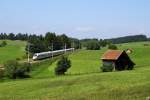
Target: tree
x=50, y=39
x=126, y=39
x=104, y=43
x=15, y=70
x=4, y=43
x=112, y=47
x=65, y=40
x=93, y=45
x=11, y=36
x=62, y=66
x=36, y=46
x=1, y=73
x=75, y=43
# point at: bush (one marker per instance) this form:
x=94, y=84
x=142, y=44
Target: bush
x=107, y=67
x=1, y=73
x=15, y=70
x=112, y=47
x=62, y=66
x=18, y=59
x=93, y=45
x=3, y=44
x=23, y=70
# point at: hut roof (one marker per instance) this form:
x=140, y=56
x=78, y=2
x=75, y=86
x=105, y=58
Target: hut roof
x=112, y=55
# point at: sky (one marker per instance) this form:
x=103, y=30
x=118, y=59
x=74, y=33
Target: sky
x=76, y=18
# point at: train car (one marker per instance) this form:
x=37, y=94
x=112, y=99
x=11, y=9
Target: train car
x=38, y=56
x=43, y=55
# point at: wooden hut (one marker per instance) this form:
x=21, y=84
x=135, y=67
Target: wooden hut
x=118, y=59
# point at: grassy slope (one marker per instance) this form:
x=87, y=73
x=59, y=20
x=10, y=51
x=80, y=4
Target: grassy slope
x=84, y=81
x=14, y=49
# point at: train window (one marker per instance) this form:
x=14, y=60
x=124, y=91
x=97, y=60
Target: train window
x=35, y=55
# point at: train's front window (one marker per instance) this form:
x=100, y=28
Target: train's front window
x=35, y=55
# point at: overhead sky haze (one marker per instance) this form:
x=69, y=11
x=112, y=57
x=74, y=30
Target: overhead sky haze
x=76, y=18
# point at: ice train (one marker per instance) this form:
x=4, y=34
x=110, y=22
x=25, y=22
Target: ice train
x=42, y=55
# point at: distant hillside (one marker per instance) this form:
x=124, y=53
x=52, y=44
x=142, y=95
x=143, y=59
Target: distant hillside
x=126, y=39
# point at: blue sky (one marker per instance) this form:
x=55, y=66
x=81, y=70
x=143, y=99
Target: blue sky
x=76, y=18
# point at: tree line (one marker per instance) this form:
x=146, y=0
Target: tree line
x=51, y=41
x=126, y=39
x=12, y=36
x=94, y=44
x=40, y=43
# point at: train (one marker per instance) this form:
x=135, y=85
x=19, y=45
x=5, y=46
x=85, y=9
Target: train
x=43, y=55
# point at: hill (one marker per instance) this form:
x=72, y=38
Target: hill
x=13, y=50
x=84, y=80
x=127, y=39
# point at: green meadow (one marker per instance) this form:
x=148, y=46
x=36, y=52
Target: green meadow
x=84, y=80
x=13, y=50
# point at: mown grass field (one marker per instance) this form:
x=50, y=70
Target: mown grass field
x=13, y=50
x=84, y=80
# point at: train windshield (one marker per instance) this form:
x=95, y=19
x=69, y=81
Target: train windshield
x=35, y=55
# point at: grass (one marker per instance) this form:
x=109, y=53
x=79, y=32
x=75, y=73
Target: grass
x=84, y=80
x=13, y=50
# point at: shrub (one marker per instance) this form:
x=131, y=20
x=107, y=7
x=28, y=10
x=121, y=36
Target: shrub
x=93, y=45
x=62, y=66
x=18, y=59
x=112, y=47
x=23, y=70
x=1, y=73
x=107, y=67
x=15, y=70
x=4, y=43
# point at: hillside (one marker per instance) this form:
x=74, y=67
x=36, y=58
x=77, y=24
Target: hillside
x=13, y=50
x=127, y=39
x=84, y=80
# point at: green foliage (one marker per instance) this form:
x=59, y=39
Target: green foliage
x=36, y=46
x=75, y=43
x=1, y=73
x=18, y=59
x=12, y=36
x=3, y=44
x=107, y=67
x=93, y=45
x=127, y=39
x=112, y=47
x=57, y=42
x=104, y=43
x=50, y=41
x=10, y=69
x=15, y=70
x=62, y=66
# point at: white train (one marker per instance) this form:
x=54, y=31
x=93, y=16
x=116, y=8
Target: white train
x=42, y=55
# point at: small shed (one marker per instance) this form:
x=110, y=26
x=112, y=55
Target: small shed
x=118, y=59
